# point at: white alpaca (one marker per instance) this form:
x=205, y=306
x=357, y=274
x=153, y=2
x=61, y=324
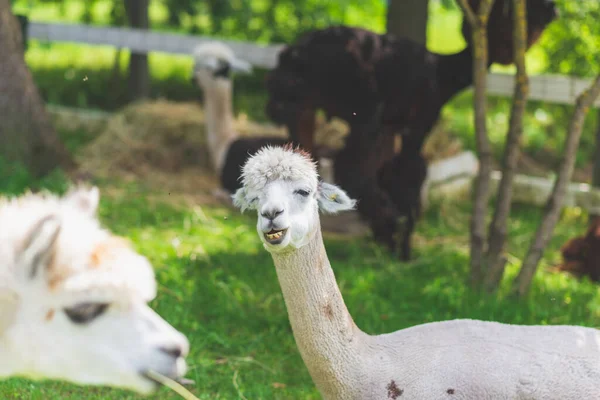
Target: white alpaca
x=213, y=65
x=73, y=299
x=459, y=359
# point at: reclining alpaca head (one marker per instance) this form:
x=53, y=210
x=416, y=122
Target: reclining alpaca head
x=282, y=185
x=73, y=299
x=213, y=65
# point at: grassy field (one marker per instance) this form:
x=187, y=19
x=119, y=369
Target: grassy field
x=219, y=287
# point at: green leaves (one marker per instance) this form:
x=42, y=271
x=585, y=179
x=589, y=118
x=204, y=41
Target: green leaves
x=572, y=42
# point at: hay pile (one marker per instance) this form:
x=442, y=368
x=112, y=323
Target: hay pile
x=441, y=144
x=163, y=145
x=170, y=136
x=144, y=136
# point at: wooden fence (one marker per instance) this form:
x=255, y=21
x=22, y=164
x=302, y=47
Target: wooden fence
x=549, y=88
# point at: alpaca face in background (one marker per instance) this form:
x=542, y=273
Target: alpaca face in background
x=73, y=299
x=282, y=185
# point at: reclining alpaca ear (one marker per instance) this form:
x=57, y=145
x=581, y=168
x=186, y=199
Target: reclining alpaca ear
x=332, y=199
x=84, y=199
x=38, y=245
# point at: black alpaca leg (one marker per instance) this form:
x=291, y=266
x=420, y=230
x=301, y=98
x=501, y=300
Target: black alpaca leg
x=355, y=169
x=402, y=179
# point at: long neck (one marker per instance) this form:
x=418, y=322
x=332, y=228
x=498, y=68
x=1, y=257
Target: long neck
x=219, y=121
x=455, y=73
x=325, y=333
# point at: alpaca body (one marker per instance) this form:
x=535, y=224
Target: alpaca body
x=238, y=152
x=73, y=299
x=458, y=359
x=581, y=255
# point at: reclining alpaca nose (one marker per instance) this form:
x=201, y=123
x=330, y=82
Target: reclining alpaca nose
x=271, y=213
x=174, y=351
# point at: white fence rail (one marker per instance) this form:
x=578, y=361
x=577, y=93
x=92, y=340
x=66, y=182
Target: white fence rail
x=549, y=88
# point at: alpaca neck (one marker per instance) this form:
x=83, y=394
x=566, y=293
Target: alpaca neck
x=455, y=73
x=219, y=121
x=328, y=340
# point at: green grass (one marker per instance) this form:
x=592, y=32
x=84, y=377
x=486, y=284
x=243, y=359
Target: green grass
x=218, y=286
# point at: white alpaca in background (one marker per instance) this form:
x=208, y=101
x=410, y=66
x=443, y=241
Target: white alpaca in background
x=458, y=359
x=73, y=299
x=214, y=65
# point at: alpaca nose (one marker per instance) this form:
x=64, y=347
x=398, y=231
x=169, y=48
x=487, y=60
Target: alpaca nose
x=271, y=213
x=173, y=351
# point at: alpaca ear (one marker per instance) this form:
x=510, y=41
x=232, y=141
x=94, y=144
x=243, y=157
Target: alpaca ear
x=332, y=199
x=38, y=246
x=238, y=65
x=240, y=200
x=86, y=200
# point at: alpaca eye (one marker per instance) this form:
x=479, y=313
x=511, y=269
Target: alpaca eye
x=302, y=193
x=85, y=312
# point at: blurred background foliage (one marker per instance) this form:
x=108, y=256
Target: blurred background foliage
x=77, y=75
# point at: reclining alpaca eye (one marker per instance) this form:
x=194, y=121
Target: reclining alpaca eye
x=85, y=312
x=301, y=192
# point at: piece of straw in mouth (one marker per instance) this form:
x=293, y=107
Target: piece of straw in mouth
x=171, y=384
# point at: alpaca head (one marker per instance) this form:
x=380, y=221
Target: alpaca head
x=73, y=298
x=282, y=185
x=214, y=64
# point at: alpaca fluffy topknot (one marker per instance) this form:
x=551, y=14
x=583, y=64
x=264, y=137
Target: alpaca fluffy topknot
x=272, y=163
x=87, y=258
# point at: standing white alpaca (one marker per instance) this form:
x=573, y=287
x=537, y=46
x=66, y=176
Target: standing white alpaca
x=73, y=299
x=459, y=359
x=213, y=68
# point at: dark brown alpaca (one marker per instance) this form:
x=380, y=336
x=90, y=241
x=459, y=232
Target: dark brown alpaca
x=355, y=74
x=581, y=255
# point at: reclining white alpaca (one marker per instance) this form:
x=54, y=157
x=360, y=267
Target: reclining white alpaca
x=459, y=359
x=73, y=299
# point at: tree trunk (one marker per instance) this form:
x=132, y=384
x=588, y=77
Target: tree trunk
x=596, y=168
x=408, y=18
x=26, y=132
x=482, y=182
x=139, y=74
x=495, y=260
x=552, y=211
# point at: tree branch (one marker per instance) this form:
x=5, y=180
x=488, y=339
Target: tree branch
x=497, y=237
x=468, y=12
x=482, y=182
x=522, y=283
